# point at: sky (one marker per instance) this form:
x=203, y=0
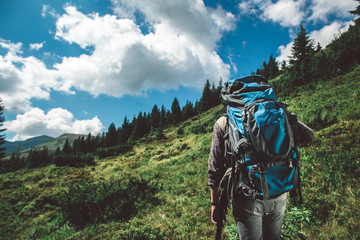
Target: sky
x=77, y=66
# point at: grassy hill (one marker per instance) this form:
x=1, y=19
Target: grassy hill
x=159, y=189
x=38, y=143
x=21, y=145
x=56, y=143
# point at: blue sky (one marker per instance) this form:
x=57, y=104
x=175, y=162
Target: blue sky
x=77, y=66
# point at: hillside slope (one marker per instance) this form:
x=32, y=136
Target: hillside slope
x=159, y=189
x=29, y=143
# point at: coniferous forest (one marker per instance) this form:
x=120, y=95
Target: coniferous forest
x=146, y=177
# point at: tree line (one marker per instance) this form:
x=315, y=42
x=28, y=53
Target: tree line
x=309, y=62
x=115, y=140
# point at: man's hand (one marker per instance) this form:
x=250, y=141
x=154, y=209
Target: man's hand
x=214, y=214
x=214, y=201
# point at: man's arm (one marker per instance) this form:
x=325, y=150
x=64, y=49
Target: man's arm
x=216, y=169
x=214, y=203
x=217, y=159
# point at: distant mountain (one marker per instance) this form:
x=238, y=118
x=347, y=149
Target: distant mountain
x=29, y=143
x=55, y=143
x=39, y=143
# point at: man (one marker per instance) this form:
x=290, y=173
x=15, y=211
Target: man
x=253, y=222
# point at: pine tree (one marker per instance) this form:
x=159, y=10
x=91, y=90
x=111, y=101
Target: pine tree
x=270, y=69
x=66, y=148
x=220, y=86
x=90, y=145
x=33, y=158
x=265, y=70
x=206, y=98
x=146, y=124
x=82, y=144
x=272, y=66
x=44, y=155
x=283, y=67
x=125, y=131
x=15, y=163
x=57, y=151
x=356, y=12
x=12, y=164
x=163, y=118
x=302, y=54
x=318, y=48
x=175, y=111
x=76, y=145
x=138, y=123
x=2, y=136
x=111, y=136
x=188, y=110
x=155, y=117
x=197, y=107
x=215, y=96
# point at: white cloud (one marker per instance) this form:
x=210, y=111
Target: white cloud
x=245, y=7
x=180, y=49
x=235, y=69
x=36, y=46
x=291, y=13
x=13, y=48
x=287, y=13
x=321, y=9
x=54, y=123
x=123, y=10
x=24, y=78
x=48, y=11
x=285, y=52
x=225, y=21
x=187, y=17
x=325, y=35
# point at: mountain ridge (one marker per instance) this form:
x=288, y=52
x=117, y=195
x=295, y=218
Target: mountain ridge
x=39, y=142
x=24, y=144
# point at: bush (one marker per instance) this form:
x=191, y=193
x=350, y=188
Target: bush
x=75, y=160
x=283, y=85
x=294, y=221
x=112, y=151
x=101, y=202
x=180, y=131
x=346, y=49
x=159, y=134
x=198, y=128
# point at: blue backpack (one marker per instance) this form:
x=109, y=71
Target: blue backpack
x=260, y=140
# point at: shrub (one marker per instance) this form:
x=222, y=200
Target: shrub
x=112, y=151
x=76, y=160
x=198, y=128
x=180, y=131
x=91, y=203
x=284, y=85
x=294, y=220
x=232, y=232
x=159, y=134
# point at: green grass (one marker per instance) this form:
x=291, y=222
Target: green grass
x=162, y=184
x=324, y=103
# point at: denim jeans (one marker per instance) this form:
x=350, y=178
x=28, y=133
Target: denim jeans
x=253, y=223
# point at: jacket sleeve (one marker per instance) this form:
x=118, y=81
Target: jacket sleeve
x=217, y=159
x=305, y=134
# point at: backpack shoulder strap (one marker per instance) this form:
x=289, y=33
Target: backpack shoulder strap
x=222, y=123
